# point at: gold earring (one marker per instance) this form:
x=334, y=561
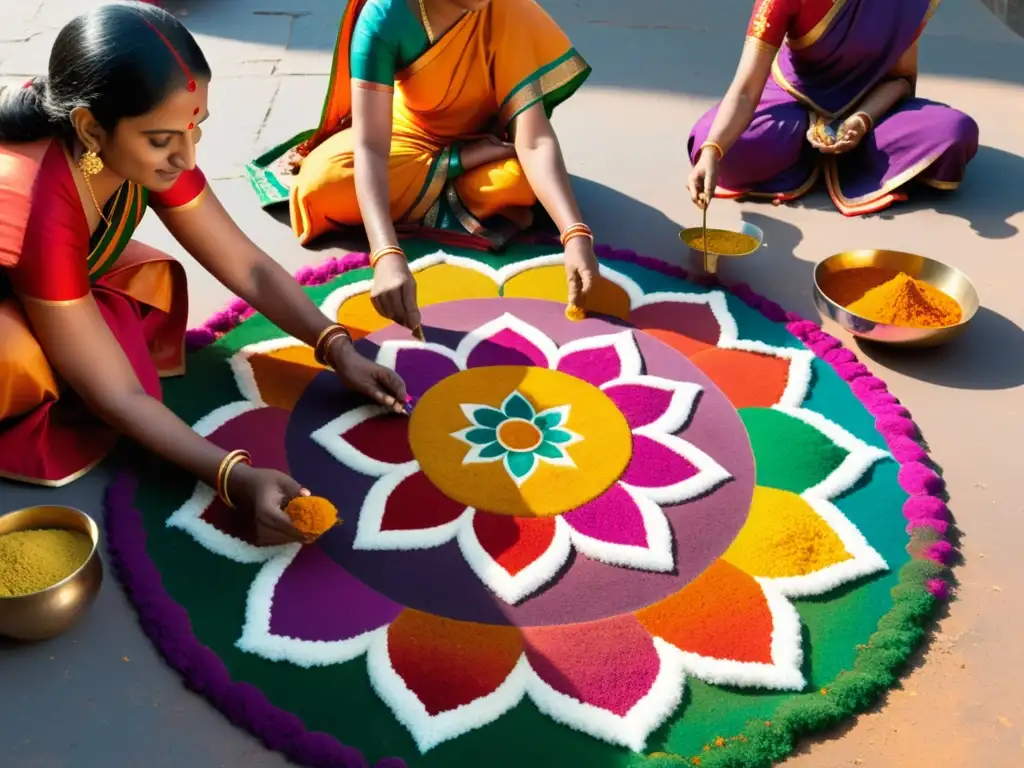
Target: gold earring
x=90, y=164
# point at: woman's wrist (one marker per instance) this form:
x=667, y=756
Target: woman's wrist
x=340, y=353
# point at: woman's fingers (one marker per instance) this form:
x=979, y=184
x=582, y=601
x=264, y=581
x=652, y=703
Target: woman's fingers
x=410, y=309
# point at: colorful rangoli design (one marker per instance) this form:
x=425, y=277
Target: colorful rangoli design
x=621, y=536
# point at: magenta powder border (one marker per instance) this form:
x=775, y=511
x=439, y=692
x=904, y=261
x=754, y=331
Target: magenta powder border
x=167, y=624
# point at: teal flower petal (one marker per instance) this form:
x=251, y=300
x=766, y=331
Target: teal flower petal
x=549, y=451
x=551, y=418
x=520, y=464
x=557, y=436
x=487, y=417
x=518, y=407
x=492, y=451
x=481, y=436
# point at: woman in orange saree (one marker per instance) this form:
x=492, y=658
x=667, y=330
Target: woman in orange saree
x=436, y=121
x=90, y=320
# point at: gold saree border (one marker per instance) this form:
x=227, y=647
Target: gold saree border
x=432, y=188
x=808, y=39
x=860, y=203
x=193, y=203
x=24, y=297
x=537, y=87
x=61, y=482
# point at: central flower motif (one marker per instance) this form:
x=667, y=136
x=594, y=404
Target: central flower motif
x=516, y=535
x=517, y=435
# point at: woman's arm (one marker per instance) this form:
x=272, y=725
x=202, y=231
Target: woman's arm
x=737, y=107
x=888, y=94
x=372, y=124
x=210, y=235
x=540, y=155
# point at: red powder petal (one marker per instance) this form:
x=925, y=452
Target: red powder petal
x=416, y=504
x=384, y=438
x=513, y=542
x=722, y=614
x=610, y=664
x=448, y=664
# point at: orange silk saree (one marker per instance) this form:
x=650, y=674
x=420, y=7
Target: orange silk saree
x=475, y=80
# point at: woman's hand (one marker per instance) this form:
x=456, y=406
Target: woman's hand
x=489, y=149
x=393, y=293
x=380, y=384
x=581, y=270
x=266, y=492
x=849, y=134
x=703, y=179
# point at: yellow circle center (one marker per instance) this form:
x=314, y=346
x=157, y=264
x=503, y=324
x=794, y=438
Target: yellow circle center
x=519, y=435
x=598, y=458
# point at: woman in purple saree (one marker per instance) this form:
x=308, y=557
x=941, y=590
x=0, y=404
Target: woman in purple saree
x=826, y=88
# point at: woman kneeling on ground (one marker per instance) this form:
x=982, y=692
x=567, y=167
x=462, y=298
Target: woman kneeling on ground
x=437, y=119
x=89, y=317
x=827, y=86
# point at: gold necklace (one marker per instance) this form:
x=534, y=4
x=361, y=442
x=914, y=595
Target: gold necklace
x=426, y=22
x=95, y=202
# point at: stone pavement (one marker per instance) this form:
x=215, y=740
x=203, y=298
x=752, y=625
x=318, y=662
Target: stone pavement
x=100, y=696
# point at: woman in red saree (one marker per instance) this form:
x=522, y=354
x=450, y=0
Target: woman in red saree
x=90, y=320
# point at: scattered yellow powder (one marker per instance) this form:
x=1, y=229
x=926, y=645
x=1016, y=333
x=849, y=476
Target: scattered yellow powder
x=34, y=560
x=312, y=515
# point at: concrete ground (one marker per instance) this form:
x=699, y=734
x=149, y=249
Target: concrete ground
x=100, y=696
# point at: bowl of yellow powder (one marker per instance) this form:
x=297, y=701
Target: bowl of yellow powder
x=894, y=297
x=50, y=570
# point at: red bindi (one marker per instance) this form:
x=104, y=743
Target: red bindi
x=191, y=126
x=192, y=86
x=195, y=111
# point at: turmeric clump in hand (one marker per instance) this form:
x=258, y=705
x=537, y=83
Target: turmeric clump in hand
x=312, y=515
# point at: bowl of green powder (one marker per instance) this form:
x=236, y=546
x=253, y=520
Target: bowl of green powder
x=50, y=570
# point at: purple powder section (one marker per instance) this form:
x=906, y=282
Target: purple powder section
x=613, y=516
x=421, y=369
x=439, y=581
x=640, y=405
x=506, y=348
x=317, y=600
x=655, y=466
x=598, y=366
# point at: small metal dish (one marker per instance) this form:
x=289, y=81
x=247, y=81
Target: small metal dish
x=947, y=279
x=689, y=234
x=49, y=612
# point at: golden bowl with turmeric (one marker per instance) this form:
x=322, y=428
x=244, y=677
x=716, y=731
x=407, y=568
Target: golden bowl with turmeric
x=716, y=243
x=894, y=297
x=50, y=570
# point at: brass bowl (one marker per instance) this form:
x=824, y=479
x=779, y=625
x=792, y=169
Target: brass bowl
x=947, y=279
x=711, y=258
x=51, y=611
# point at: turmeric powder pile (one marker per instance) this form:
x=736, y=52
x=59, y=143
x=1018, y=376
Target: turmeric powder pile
x=34, y=560
x=312, y=515
x=907, y=302
x=720, y=242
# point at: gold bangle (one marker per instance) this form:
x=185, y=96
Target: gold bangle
x=869, y=124
x=715, y=146
x=326, y=348
x=226, y=465
x=576, y=230
x=387, y=250
x=327, y=335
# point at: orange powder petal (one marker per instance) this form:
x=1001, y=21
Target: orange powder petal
x=722, y=614
x=449, y=663
x=748, y=379
x=283, y=375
